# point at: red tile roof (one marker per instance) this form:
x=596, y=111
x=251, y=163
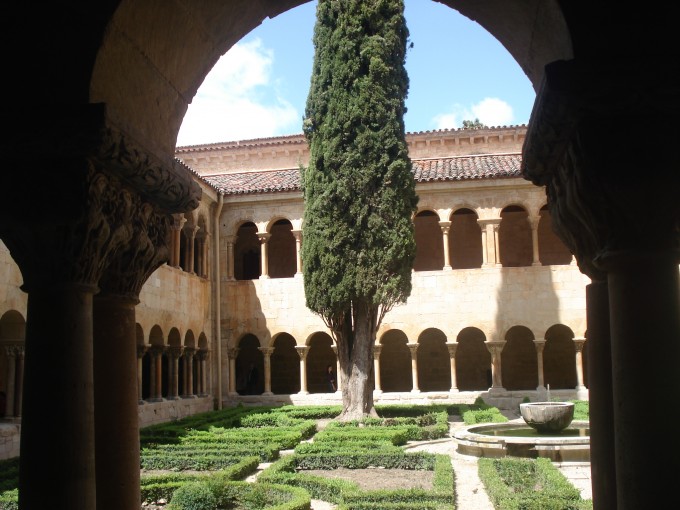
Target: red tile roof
x=460, y=168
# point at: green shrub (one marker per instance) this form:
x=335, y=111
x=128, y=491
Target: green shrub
x=9, y=500
x=193, y=496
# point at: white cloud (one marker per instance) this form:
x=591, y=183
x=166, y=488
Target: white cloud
x=490, y=111
x=235, y=100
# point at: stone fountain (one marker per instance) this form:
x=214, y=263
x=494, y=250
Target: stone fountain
x=547, y=417
x=549, y=430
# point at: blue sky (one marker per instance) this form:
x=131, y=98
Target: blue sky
x=457, y=71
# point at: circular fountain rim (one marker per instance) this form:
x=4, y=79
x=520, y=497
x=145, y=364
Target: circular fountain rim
x=470, y=432
x=556, y=448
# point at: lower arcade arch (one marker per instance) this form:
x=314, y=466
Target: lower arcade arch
x=249, y=366
x=559, y=358
x=395, y=362
x=319, y=356
x=285, y=366
x=473, y=361
x=434, y=367
x=519, y=360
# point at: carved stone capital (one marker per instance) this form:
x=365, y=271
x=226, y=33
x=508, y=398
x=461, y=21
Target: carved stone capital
x=266, y=351
x=201, y=354
x=595, y=194
x=141, y=350
x=233, y=352
x=178, y=221
x=579, y=342
x=146, y=251
x=156, y=350
x=452, y=347
x=302, y=351
x=175, y=352
x=74, y=245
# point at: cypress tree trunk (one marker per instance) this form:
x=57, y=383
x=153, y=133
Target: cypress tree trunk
x=357, y=393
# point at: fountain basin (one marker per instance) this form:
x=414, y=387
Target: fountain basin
x=517, y=439
x=547, y=417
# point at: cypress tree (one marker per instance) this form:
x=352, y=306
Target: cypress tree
x=359, y=193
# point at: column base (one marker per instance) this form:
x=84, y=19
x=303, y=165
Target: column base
x=415, y=391
x=582, y=393
x=497, y=389
x=303, y=393
x=267, y=393
x=188, y=396
x=454, y=390
x=377, y=392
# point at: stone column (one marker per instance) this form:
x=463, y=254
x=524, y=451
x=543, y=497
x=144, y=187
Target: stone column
x=10, y=351
x=600, y=396
x=413, y=347
x=496, y=243
x=267, y=353
x=495, y=348
x=539, y=345
x=191, y=231
x=230, y=240
x=264, y=255
x=446, y=226
x=298, y=258
x=177, y=224
x=174, y=354
x=201, y=357
x=116, y=396
x=338, y=377
x=232, y=352
x=376, y=368
x=61, y=258
x=205, y=255
x=19, y=392
x=590, y=191
x=156, y=370
x=189, y=353
x=141, y=351
x=485, y=254
x=99, y=174
x=302, y=351
x=580, y=387
x=490, y=248
x=452, y=347
x=534, y=240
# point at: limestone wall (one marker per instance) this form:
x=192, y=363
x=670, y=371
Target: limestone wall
x=174, y=298
x=490, y=299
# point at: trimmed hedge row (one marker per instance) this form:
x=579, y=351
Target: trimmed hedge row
x=213, y=493
x=529, y=484
x=156, y=487
x=290, y=471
